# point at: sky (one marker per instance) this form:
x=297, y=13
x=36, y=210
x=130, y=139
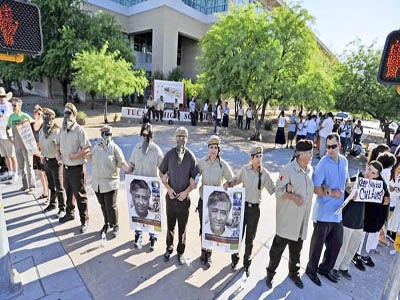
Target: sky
x=339, y=22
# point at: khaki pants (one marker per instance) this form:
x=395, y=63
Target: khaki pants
x=351, y=241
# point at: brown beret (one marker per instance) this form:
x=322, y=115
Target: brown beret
x=304, y=145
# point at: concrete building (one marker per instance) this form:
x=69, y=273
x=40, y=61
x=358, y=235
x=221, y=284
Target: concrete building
x=165, y=33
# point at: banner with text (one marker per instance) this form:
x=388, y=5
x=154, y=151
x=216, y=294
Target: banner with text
x=138, y=113
x=25, y=131
x=370, y=190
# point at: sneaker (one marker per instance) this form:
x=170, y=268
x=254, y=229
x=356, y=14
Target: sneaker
x=234, y=266
x=367, y=261
x=50, y=207
x=247, y=271
x=181, y=259
x=23, y=189
x=358, y=263
x=167, y=256
x=61, y=214
x=135, y=245
x=14, y=178
x=345, y=274
x=115, y=231
x=84, y=227
x=66, y=218
x=152, y=243
x=104, y=229
x=208, y=259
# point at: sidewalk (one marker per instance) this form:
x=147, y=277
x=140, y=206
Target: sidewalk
x=57, y=262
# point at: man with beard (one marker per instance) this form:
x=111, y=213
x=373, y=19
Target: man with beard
x=48, y=139
x=145, y=159
x=24, y=158
x=73, y=146
x=140, y=193
x=219, y=206
x=181, y=166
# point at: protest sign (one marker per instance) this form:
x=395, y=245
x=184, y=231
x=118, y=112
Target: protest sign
x=25, y=131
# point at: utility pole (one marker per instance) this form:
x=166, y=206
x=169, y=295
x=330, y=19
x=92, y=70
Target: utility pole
x=10, y=285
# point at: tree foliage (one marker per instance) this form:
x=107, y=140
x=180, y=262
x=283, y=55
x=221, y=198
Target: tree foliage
x=265, y=57
x=107, y=74
x=357, y=88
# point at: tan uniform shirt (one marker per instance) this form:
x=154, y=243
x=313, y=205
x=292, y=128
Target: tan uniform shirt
x=150, y=103
x=48, y=145
x=160, y=105
x=249, y=178
x=72, y=141
x=291, y=219
x=213, y=173
x=146, y=164
x=106, y=162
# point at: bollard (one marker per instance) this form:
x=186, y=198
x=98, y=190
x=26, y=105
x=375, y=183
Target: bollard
x=392, y=286
x=10, y=285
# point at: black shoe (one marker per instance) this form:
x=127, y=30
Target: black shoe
x=297, y=281
x=167, y=255
x=115, y=231
x=247, y=271
x=66, y=218
x=329, y=275
x=358, y=263
x=234, y=266
x=268, y=281
x=203, y=256
x=50, y=207
x=181, y=259
x=367, y=261
x=84, y=227
x=345, y=274
x=336, y=274
x=314, y=278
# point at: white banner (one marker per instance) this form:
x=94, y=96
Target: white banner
x=25, y=131
x=170, y=90
x=137, y=113
x=223, y=214
x=370, y=190
x=144, y=203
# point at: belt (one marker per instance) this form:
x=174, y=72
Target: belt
x=47, y=158
x=250, y=205
x=72, y=167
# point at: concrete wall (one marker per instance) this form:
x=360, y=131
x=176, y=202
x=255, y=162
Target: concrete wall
x=190, y=49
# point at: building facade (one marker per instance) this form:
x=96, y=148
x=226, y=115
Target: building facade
x=165, y=34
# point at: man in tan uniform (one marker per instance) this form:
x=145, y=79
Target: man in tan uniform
x=294, y=191
x=254, y=178
x=72, y=148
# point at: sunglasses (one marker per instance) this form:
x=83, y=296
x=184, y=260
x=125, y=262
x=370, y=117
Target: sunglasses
x=67, y=112
x=332, y=146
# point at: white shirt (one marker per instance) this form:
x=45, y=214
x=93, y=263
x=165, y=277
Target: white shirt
x=281, y=121
x=5, y=111
x=311, y=126
x=326, y=127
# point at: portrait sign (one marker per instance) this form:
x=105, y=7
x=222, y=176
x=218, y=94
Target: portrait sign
x=223, y=214
x=26, y=134
x=144, y=203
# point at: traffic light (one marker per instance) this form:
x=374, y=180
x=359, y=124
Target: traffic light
x=389, y=69
x=20, y=28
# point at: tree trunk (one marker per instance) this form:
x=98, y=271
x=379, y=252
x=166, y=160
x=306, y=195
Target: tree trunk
x=20, y=89
x=65, y=91
x=93, y=96
x=105, y=110
x=386, y=131
x=50, y=87
x=264, y=105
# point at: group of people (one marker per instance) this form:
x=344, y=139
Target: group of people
x=316, y=128
x=345, y=234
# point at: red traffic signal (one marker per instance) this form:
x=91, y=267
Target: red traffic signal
x=389, y=69
x=20, y=28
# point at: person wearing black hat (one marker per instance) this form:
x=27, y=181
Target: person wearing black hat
x=254, y=178
x=107, y=158
x=214, y=170
x=294, y=191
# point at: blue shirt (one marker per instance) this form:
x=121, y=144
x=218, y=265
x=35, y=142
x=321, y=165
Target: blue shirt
x=334, y=175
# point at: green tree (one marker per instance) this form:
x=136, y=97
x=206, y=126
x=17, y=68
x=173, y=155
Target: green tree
x=109, y=75
x=176, y=74
x=357, y=88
